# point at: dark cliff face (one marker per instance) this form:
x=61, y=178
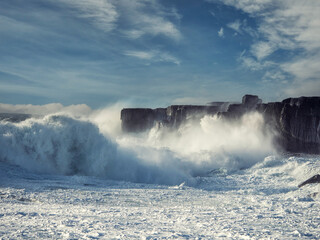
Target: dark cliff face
x=296, y=121
x=142, y=119
x=137, y=119
x=177, y=114
x=235, y=111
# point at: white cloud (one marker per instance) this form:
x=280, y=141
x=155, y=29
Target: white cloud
x=159, y=26
x=290, y=25
x=134, y=33
x=149, y=18
x=262, y=49
x=307, y=68
x=138, y=18
x=249, y=6
x=166, y=57
x=102, y=13
x=306, y=74
x=242, y=27
x=274, y=75
x=253, y=64
x=236, y=26
x=220, y=32
x=153, y=56
x=140, y=54
x=307, y=88
x=287, y=24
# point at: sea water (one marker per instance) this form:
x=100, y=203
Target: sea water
x=71, y=173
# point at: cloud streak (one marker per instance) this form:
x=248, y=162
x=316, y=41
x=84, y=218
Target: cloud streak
x=288, y=25
x=153, y=56
x=102, y=13
x=149, y=18
x=236, y=26
x=220, y=32
x=141, y=17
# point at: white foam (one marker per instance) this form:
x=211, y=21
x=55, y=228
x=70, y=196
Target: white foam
x=63, y=145
x=94, y=145
x=211, y=144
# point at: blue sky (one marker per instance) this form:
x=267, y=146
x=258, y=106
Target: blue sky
x=153, y=53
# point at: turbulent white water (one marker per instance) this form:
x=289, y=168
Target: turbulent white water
x=71, y=173
x=62, y=144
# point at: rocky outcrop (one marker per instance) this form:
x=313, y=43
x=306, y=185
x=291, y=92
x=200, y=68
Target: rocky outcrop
x=235, y=111
x=296, y=121
x=137, y=119
x=177, y=114
x=251, y=101
x=223, y=106
x=314, y=179
x=141, y=119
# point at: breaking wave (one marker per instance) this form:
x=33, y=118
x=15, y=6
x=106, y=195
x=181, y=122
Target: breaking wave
x=94, y=145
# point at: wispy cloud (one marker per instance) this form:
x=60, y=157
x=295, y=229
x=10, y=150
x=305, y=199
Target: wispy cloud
x=274, y=75
x=236, y=26
x=289, y=25
x=252, y=63
x=149, y=18
x=306, y=72
x=73, y=50
x=241, y=27
x=156, y=26
x=262, y=49
x=140, y=54
x=220, y=32
x=153, y=56
x=102, y=13
x=141, y=17
x=307, y=68
x=249, y=6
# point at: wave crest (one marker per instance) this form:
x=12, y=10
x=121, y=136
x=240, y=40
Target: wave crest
x=61, y=144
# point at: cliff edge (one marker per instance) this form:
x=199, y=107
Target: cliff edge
x=296, y=121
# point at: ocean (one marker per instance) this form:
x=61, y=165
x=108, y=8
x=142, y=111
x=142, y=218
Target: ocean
x=73, y=174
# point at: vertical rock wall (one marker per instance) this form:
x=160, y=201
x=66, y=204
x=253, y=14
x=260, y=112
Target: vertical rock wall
x=296, y=121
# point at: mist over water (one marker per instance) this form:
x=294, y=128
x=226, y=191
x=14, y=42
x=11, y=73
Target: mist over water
x=62, y=141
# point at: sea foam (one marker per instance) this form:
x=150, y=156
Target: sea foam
x=95, y=145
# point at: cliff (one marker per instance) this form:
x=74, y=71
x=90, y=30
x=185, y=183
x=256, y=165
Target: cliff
x=296, y=121
x=141, y=119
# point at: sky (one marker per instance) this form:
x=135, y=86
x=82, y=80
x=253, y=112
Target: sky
x=154, y=53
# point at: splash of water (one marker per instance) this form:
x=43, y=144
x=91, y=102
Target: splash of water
x=95, y=145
